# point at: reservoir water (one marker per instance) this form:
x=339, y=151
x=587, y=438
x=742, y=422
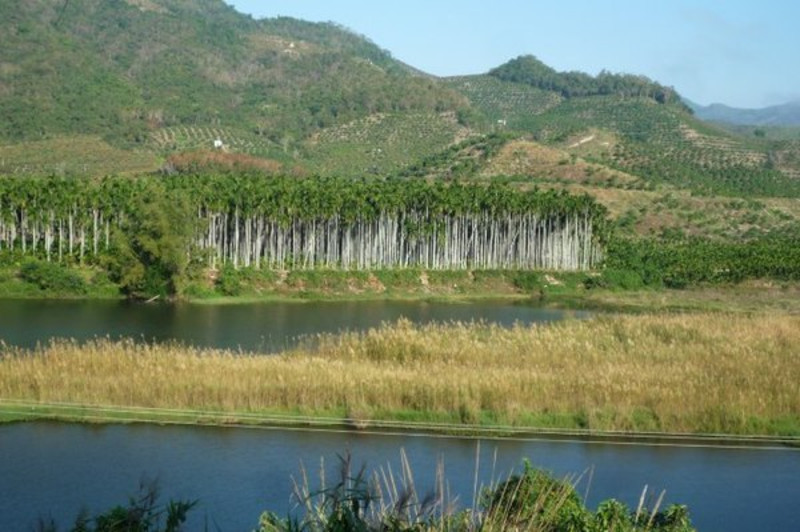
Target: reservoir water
x=259, y=326
x=53, y=470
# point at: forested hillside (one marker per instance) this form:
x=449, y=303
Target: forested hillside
x=96, y=87
x=134, y=71
x=634, y=125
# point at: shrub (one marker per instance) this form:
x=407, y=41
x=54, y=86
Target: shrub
x=52, y=277
x=229, y=282
x=616, y=278
x=141, y=514
x=527, y=281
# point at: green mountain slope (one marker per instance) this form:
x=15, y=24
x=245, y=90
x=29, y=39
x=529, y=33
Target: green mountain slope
x=630, y=124
x=116, y=86
x=127, y=69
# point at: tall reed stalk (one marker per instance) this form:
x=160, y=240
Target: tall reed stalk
x=686, y=373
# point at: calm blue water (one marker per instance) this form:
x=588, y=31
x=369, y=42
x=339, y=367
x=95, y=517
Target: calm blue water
x=49, y=469
x=259, y=326
x=52, y=470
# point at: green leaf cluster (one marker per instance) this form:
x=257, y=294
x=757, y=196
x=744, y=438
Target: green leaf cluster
x=531, y=71
x=689, y=261
x=52, y=278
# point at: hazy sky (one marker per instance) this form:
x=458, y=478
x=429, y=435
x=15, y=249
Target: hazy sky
x=739, y=52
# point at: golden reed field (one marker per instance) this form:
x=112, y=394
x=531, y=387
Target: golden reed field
x=698, y=373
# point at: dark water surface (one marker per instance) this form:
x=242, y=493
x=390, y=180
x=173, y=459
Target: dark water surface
x=52, y=470
x=258, y=326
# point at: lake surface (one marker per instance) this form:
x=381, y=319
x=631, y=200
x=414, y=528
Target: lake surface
x=53, y=470
x=260, y=326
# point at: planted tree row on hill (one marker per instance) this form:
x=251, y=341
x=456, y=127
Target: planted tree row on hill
x=303, y=224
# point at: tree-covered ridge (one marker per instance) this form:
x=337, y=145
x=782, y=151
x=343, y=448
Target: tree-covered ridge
x=531, y=71
x=125, y=70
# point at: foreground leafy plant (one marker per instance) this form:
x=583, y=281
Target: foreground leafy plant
x=143, y=513
x=532, y=501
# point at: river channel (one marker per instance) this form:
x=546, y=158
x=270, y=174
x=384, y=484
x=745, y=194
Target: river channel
x=52, y=470
x=267, y=327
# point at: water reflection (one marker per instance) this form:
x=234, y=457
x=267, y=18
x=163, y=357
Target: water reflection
x=259, y=327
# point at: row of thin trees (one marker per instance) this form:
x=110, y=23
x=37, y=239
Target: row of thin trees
x=248, y=221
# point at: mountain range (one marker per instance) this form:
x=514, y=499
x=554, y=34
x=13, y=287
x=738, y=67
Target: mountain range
x=787, y=114
x=131, y=86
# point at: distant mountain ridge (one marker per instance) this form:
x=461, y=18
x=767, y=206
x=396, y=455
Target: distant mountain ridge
x=787, y=114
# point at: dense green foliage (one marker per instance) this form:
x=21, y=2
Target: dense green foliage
x=145, y=231
x=529, y=70
x=52, y=278
x=125, y=70
x=142, y=513
x=356, y=502
x=531, y=500
x=535, y=499
x=151, y=244
x=679, y=263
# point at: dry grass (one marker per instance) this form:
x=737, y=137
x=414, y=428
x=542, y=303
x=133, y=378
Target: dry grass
x=684, y=373
x=753, y=296
x=522, y=157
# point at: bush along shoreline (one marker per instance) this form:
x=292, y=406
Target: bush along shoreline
x=358, y=501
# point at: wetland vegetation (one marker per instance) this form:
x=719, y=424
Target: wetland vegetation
x=693, y=373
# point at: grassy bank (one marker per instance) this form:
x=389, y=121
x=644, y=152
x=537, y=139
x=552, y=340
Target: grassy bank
x=605, y=290
x=43, y=280
x=700, y=373
x=408, y=283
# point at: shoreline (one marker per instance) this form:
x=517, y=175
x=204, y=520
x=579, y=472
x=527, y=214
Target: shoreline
x=105, y=416
x=108, y=416
x=756, y=296
x=548, y=289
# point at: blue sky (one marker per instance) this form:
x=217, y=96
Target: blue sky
x=737, y=52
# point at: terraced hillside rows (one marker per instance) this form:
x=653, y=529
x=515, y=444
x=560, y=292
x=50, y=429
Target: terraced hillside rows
x=677, y=213
x=663, y=143
x=505, y=105
x=549, y=164
x=461, y=160
x=286, y=97
x=126, y=69
x=188, y=138
x=381, y=143
x=83, y=155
